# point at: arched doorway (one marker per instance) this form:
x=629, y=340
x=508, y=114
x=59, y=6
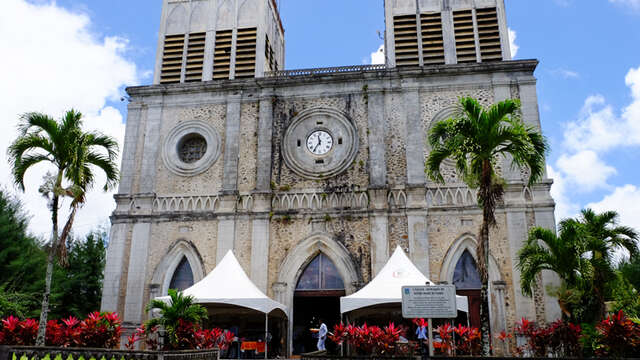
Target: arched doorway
x=317, y=295
x=467, y=281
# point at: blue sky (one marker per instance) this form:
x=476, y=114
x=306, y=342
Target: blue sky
x=587, y=49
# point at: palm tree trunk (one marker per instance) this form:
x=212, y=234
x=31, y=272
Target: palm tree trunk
x=42, y=327
x=483, y=256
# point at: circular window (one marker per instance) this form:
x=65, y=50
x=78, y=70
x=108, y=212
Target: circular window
x=191, y=148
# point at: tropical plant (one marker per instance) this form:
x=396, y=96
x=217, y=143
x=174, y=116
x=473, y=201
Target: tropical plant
x=603, y=239
x=74, y=153
x=562, y=254
x=619, y=337
x=179, y=308
x=477, y=138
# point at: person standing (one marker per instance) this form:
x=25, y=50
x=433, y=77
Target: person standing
x=322, y=335
x=421, y=331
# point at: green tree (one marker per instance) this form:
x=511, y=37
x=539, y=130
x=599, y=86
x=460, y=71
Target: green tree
x=22, y=260
x=562, y=254
x=179, y=307
x=476, y=138
x=603, y=239
x=74, y=154
x=77, y=288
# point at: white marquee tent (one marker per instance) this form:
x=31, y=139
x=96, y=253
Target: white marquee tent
x=228, y=284
x=386, y=287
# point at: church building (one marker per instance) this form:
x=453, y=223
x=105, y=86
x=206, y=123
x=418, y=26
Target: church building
x=313, y=177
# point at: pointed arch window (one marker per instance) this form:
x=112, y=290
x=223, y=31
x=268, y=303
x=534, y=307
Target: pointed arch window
x=320, y=274
x=466, y=276
x=182, y=276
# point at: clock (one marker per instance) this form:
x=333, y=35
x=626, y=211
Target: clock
x=320, y=143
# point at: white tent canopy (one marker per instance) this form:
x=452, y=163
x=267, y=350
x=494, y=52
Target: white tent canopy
x=229, y=284
x=386, y=287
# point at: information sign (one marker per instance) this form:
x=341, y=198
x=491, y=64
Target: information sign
x=429, y=302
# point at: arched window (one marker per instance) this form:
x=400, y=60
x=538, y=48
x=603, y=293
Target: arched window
x=320, y=274
x=182, y=276
x=466, y=276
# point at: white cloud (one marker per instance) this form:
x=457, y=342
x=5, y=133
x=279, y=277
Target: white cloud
x=565, y=208
x=566, y=73
x=626, y=201
x=634, y=4
x=563, y=3
x=599, y=128
x=586, y=170
x=53, y=63
x=512, y=43
x=377, y=57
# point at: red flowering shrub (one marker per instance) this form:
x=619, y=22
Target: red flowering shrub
x=536, y=338
x=369, y=340
x=564, y=340
x=16, y=332
x=467, y=340
x=618, y=337
x=446, y=345
x=185, y=336
x=98, y=330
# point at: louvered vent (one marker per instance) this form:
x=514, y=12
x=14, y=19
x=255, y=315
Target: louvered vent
x=489, y=34
x=246, y=53
x=222, y=54
x=405, y=31
x=195, y=57
x=172, y=59
x=432, y=40
x=465, y=40
x=269, y=56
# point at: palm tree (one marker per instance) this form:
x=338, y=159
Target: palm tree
x=74, y=154
x=476, y=138
x=603, y=238
x=179, y=308
x=562, y=254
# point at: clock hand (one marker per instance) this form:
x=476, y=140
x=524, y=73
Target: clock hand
x=319, y=142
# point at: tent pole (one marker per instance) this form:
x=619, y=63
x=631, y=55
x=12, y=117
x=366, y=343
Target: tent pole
x=266, y=333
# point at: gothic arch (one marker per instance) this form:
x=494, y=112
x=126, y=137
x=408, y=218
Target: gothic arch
x=225, y=15
x=298, y=259
x=164, y=270
x=465, y=242
x=177, y=20
x=198, y=22
x=244, y=16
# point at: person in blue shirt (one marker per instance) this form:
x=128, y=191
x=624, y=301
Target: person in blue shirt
x=421, y=331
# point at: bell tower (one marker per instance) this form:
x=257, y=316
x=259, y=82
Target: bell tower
x=203, y=40
x=438, y=32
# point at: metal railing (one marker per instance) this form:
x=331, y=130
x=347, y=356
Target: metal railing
x=324, y=71
x=38, y=353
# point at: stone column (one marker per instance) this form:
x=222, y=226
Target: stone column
x=501, y=91
x=415, y=136
x=379, y=222
x=260, y=238
x=500, y=317
x=137, y=269
x=377, y=161
x=517, y=234
x=151, y=149
x=417, y=227
x=113, y=267
x=231, y=145
x=545, y=218
x=136, y=111
x=265, y=134
x=209, y=49
x=448, y=35
x=226, y=226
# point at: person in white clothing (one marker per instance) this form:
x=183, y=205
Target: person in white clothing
x=322, y=335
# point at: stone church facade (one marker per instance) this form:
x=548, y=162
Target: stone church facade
x=227, y=151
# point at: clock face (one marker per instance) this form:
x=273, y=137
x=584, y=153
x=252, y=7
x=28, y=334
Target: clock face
x=319, y=142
